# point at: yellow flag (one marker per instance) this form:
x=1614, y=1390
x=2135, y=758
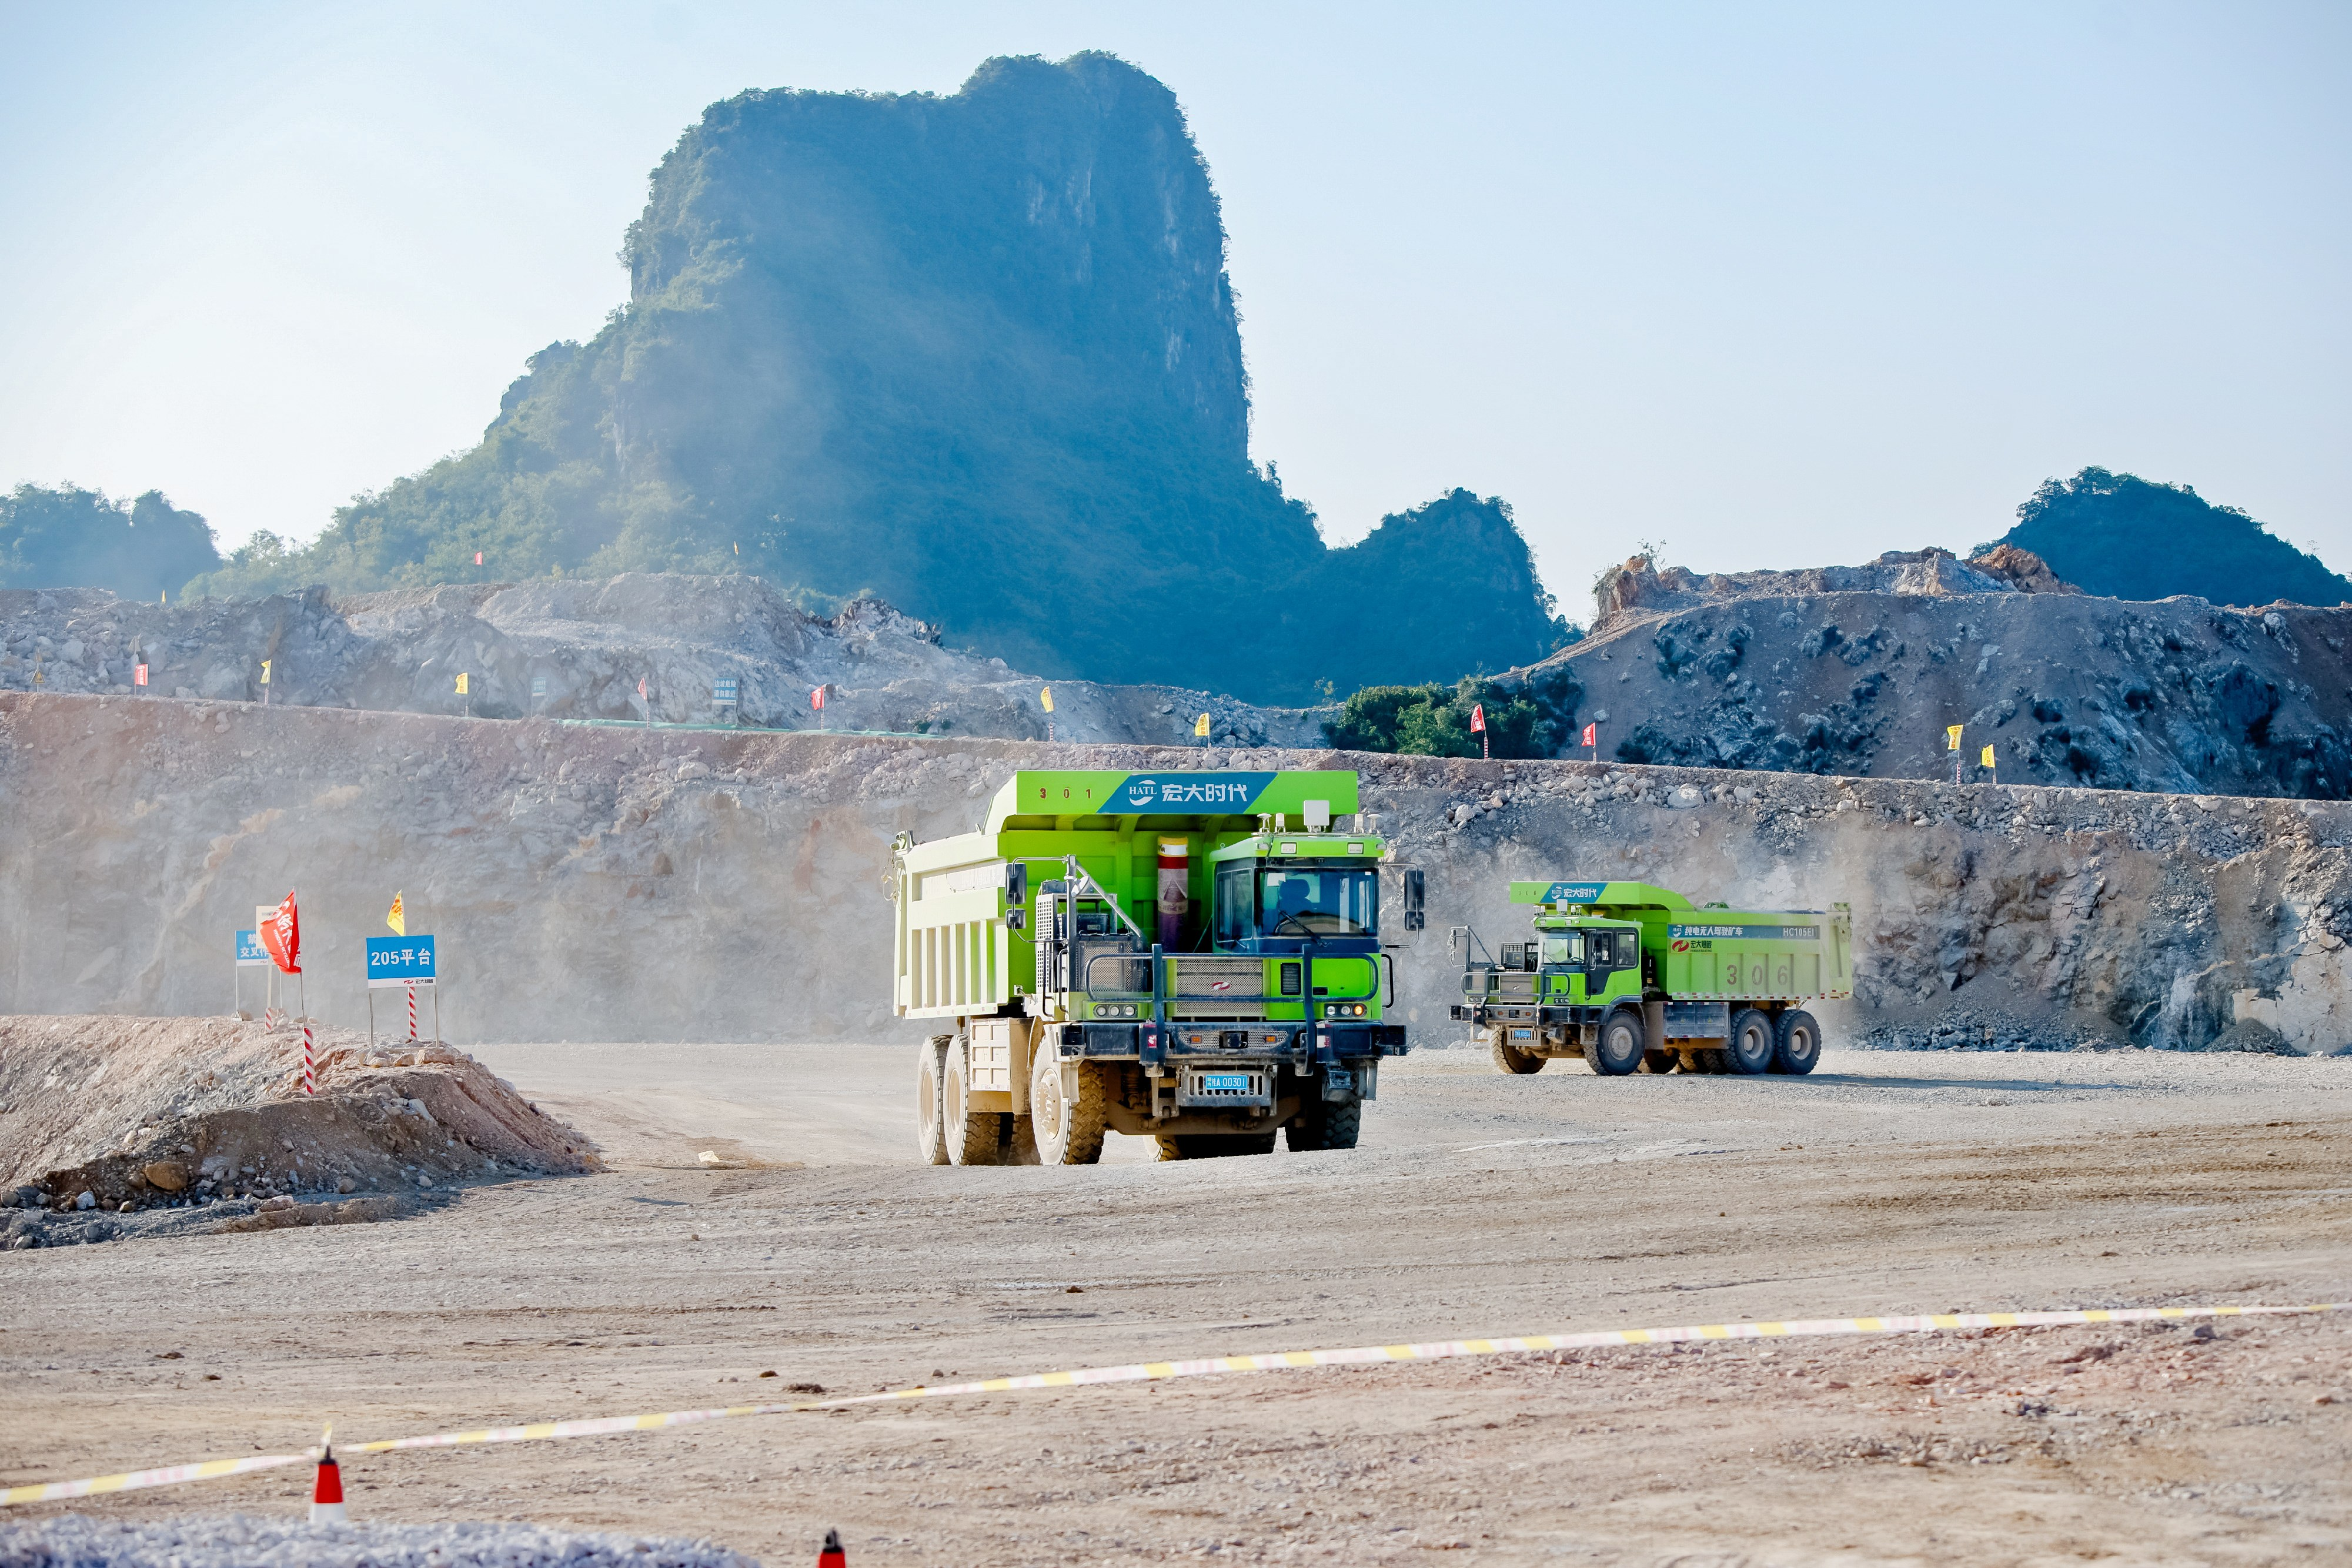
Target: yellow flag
x=461, y=683
x=1045, y=696
x=1951, y=738
x=264, y=671
x=1201, y=725
x=1988, y=757
x=398, y=918
x=164, y=596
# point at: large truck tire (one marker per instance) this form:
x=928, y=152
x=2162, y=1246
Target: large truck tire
x=973, y=1137
x=1618, y=1051
x=1798, y=1049
x=1754, y=1044
x=1508, y=1057
x=1327, y=1124
x=1660, y=1061
x=1067, y=1132
x=930, y=1083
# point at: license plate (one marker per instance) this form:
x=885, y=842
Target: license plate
x=1523, y=1034
x=1224, y=1083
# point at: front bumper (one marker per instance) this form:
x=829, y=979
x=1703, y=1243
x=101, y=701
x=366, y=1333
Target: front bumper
x=1283, y=1042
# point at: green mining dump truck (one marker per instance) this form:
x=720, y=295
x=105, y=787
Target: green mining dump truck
x=1193, y=957
x=1635, y=978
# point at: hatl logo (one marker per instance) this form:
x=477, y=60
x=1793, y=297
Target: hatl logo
x=1142, y=791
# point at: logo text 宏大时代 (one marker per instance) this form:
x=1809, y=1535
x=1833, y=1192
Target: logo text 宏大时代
x=1188, y=791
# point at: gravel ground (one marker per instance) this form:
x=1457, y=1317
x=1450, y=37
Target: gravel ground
x=196, y=1541
x=1480, y=1205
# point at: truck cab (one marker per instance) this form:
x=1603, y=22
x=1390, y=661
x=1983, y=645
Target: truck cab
x=1570, y=963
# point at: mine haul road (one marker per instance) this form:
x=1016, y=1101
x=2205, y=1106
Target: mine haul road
x=1479, y=1204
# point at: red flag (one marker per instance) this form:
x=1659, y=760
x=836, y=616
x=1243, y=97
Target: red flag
x=816, y=698
x=281, y=934
x=641, y=685
x=1477, y=718
x=138, y=674
x=478, y=558
x=1591, y=736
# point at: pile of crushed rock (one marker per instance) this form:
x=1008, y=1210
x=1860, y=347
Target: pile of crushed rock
x=115, y=1126
x=80, y=1540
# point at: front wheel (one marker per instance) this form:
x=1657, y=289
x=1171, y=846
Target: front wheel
x=1619, y=1049
x=1510, y=1058
x=931, y=1076
x=1798, y=1049
x=1324, y=1123
x=1752, y=1043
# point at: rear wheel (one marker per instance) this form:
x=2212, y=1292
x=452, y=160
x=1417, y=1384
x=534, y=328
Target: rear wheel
x=1067, y=1132
x=973, y=1137
x=1798, y=1049
x=1509, y=1059
x=1752, y=1043
x=1619, y=1047
x=1324, y=1125
x=930, y=1075
x=1659, y=1061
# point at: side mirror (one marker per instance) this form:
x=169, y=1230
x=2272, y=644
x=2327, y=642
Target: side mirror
x=1415, y=919
x=1017, y=895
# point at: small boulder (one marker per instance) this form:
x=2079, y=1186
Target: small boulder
x=167, y=1175
x=87, y=1201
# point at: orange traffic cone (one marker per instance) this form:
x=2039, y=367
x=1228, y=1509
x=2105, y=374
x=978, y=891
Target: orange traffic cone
x=327, y=1492
x=832, y=1556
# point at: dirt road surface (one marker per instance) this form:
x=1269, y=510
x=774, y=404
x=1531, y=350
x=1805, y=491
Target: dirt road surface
x=1479, y=1204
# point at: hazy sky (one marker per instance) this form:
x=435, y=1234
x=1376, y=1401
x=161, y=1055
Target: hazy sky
x=1775, y=285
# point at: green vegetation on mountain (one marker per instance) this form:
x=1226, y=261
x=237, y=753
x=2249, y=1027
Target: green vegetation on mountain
x=976, y=354
x=1529, y=720
x=2129, y=538
x=73, y=537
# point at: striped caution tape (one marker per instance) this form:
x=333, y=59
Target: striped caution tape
x=1160, y=1371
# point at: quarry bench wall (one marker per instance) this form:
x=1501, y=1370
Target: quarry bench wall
x=628, y=883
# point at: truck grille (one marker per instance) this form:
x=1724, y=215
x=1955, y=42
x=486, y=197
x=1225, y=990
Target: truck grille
x=1217, y=979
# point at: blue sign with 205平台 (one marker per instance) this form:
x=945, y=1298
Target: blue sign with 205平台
x=399, y=961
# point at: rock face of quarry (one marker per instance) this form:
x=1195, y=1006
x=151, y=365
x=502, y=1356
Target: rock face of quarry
x=625, y=883
x=577, y=649
x=1858, y=671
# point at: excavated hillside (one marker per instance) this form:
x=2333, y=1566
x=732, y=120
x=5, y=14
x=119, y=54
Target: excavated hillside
x=1860, y=670
x=577, y=649
x=625, y=883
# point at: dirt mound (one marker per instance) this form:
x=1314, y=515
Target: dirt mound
x=640, y=647
x=98, y=1113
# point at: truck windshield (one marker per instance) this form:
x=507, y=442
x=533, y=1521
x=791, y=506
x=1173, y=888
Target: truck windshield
x=1281, y=902
x=1569, y=949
